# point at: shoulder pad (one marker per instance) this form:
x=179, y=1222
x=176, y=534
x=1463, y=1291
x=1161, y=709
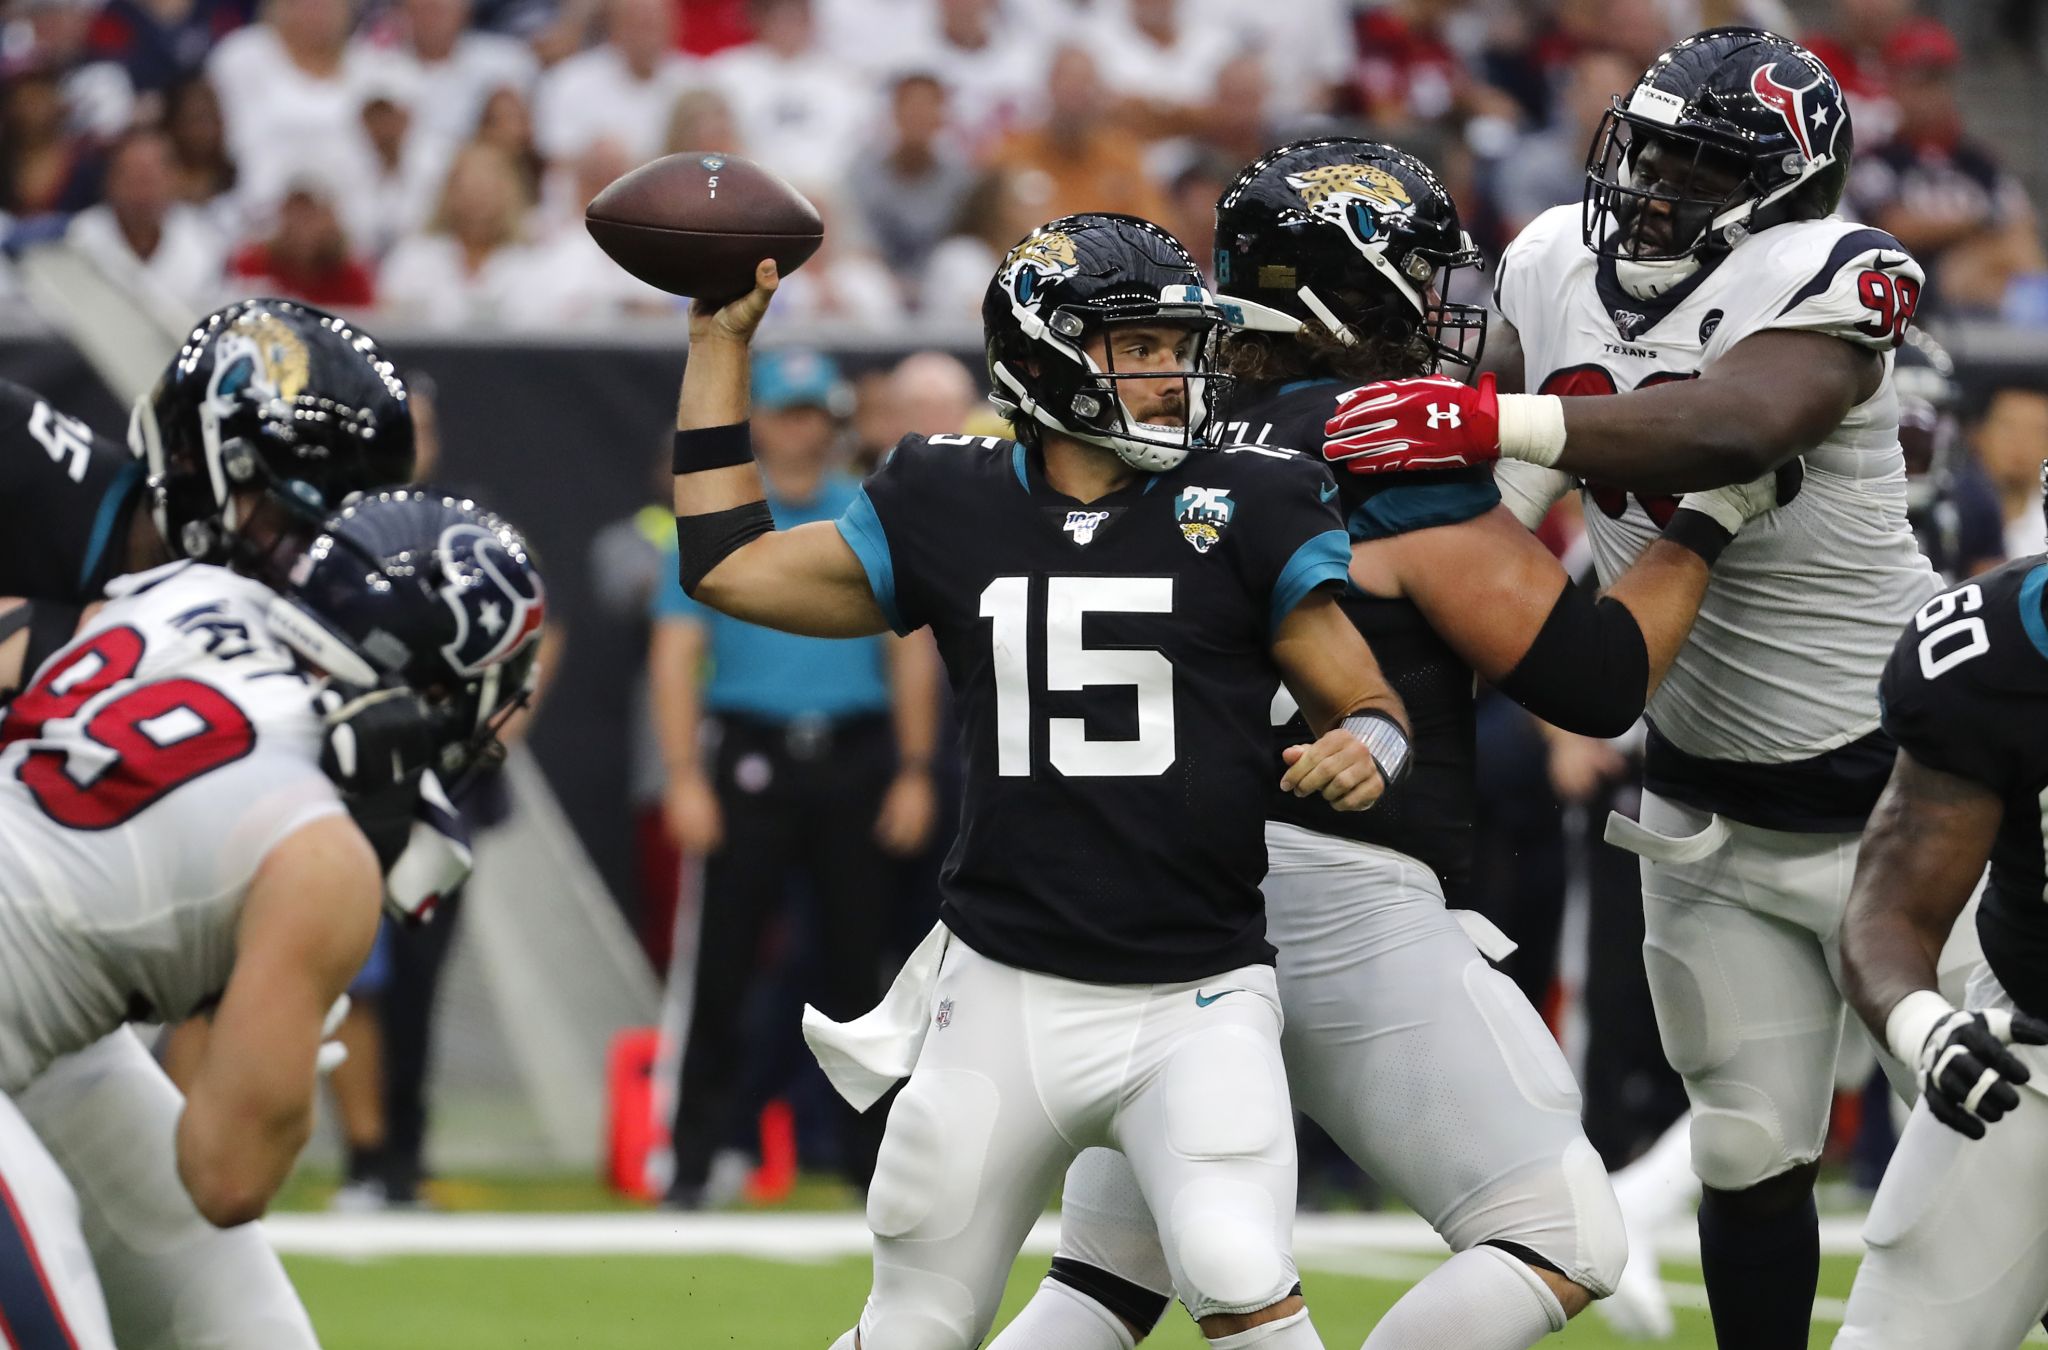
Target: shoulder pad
x=1831, y=276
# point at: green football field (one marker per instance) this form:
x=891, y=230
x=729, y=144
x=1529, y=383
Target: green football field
x=684, y=1303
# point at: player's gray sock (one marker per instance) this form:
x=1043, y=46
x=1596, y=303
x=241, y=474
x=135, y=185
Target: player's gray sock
x=1289, y=1333
x=1480, y=1299
x=1061, y=1317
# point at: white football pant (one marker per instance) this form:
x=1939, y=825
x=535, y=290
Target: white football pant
x=1018, y=1073
x=1958, y=1234
x=109, y=1116
x=49, y=1295
x=1425, y=1064
x=1741, y=947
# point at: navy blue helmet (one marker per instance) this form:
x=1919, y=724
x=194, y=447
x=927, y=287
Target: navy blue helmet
x=419, y=590
x=1749, y=130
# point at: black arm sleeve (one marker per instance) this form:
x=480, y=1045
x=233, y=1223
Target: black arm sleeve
x=1588, y=671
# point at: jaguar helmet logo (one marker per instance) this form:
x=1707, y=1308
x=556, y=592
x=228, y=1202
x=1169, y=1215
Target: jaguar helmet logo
x=1043, y=256
x=260, y=358
x=1354, y=196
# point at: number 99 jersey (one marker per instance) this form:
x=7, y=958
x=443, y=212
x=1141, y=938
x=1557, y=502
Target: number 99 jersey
x=144, y=775
x=1806, y=602
x=1111, y=667
x=1965, y=693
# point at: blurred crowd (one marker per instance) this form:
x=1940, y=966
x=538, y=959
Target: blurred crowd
x=430, y=159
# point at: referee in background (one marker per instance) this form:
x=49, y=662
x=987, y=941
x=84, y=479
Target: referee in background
x=795, y=766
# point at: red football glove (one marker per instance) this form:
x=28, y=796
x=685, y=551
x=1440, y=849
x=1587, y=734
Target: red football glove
x=1429, y=423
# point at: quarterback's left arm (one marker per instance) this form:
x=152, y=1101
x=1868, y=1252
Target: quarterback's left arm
x=1334, y=677
x=305, y=930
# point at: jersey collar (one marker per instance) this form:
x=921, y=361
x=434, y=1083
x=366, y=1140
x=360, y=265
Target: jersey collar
x=1623, y=308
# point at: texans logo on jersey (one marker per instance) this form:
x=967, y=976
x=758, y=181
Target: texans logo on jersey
x=1811, y=111
x=499, y=607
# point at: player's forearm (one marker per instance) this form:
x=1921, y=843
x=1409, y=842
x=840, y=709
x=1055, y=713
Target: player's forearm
x=1662, y=590
x=233, y=1156
x=1674, y=438
x=674, y=700
x=1922, y=854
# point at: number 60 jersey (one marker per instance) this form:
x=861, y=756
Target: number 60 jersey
x=1111, y=670
x=144, y=775
x=1964, y=693
x=1766, y=717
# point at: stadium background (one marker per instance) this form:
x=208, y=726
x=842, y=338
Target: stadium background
x=347, y=160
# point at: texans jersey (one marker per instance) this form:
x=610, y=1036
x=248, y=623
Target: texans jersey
x=1431, y=818
x=1111, y=670
x=144, y=776
x=1767, y=716
x=66, y=500
x=1963, y=694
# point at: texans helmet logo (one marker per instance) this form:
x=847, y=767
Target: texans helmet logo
x=499, y=606
x=1811, y=111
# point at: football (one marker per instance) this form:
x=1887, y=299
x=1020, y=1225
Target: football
x=696, y=223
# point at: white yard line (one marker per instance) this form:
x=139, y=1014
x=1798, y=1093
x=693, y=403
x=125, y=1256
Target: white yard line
x=1321, y=1241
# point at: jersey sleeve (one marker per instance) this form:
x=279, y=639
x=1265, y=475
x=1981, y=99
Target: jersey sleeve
x=1530, y=490
x=670, y=600
x=1958, y=689
x=876, y=524
x=1863, y=289
x=64, y=495
x=1291, y=538
x=1421, y=501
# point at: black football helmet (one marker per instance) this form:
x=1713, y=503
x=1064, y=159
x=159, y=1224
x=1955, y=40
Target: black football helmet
x=1750, y=130
x=1352, y=235
x=1068, y=280
x=427, y=592
x=274, y=395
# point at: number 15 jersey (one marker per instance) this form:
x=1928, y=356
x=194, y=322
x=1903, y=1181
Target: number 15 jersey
x=144, y=775
x=1111, y=667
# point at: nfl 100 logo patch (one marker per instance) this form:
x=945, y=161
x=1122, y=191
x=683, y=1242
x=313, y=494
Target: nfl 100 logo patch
x=1082, y=525
x=1203, y=514
x=943, y=1018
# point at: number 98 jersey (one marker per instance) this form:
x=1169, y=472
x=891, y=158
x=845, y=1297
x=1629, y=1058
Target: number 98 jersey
x=1111, y=670
x=1807, y=600
x=144, y=775
x=1964, y=693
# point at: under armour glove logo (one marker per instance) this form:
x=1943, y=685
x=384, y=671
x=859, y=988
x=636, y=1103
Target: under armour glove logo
x=1444, y=414
x=1968, y=1076
x=1431, y=422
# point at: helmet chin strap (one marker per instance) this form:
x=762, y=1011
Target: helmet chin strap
x=1328, y=317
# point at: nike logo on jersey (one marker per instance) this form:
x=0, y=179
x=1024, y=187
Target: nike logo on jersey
x=1328, y=490
x=1203, y=1000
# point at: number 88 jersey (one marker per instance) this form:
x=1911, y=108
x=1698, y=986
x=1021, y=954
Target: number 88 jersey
x=145, y=773
x=1965, y=693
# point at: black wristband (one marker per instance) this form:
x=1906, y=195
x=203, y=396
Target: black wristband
x=1699, y=532
x=702, y=448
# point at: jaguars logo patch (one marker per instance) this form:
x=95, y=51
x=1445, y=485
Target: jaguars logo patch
x=1204, y=514
x=1044, y=255
x=1356, y=196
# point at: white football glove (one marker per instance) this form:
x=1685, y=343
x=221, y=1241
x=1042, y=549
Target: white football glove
x=436, y=858
x=1734, y=506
